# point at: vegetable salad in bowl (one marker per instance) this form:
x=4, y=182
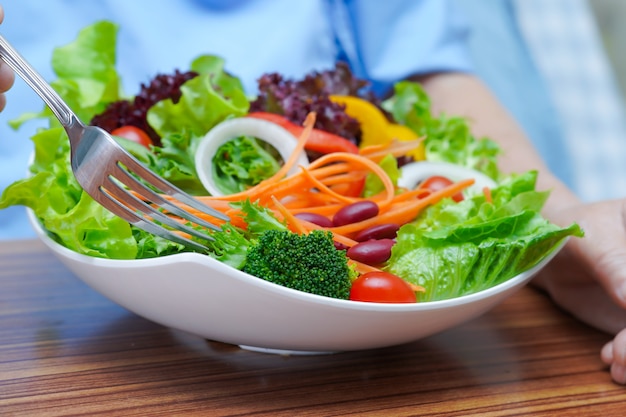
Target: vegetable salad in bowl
x=333, y=195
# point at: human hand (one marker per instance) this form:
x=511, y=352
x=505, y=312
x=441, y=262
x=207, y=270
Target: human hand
x=588, y=277
x=7, y=77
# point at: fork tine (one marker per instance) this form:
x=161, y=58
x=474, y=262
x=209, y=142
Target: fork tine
x=168, y=188
x=118, y=192
x=125, y=205
x=134, y=184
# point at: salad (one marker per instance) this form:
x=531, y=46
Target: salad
x=341, y=225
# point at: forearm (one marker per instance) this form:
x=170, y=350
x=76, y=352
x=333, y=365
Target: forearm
x=466, y=96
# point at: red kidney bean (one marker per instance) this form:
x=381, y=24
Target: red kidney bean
x=371, y=252
x=340, y=246
x=355, y=212
x=315, y=218
x=380, y=231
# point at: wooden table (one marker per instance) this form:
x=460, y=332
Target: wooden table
x=66, y=350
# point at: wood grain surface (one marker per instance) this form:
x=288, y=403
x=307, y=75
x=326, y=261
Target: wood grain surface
x=65, y=350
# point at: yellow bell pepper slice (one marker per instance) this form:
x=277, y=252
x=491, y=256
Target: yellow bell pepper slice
x=375, y=128
x=373, y=121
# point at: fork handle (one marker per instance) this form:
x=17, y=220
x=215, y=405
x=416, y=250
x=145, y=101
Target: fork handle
x=22, y=68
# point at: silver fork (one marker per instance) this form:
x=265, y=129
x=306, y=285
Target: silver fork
x=107, y=172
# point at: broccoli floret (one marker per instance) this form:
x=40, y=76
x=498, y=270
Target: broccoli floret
x=308, y=262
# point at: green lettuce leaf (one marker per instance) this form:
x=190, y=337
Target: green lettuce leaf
x=87, y=78
x=206, y=100
x=175, y=161
x=242, y=163
x=258, y=218
x=454, y=249
x=68, y=213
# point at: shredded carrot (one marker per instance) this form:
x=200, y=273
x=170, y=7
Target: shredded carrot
x=293, y=221
x=394, y=147
x=406, y=211
x=323, y=188
x=364, y=162
x=409, y=194
x=362, y=268
x=368, y=150
x=416, y=288
x=344, y=179
x=305, y=200
x=343, y=239
x=289, y=163
x=327, y=210
x=294, y=184
x=487, y=193
x=336, y=236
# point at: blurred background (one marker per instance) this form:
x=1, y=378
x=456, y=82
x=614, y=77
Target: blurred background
x=577, y=47
x=610, y=15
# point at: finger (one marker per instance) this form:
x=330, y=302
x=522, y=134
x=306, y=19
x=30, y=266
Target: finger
x=619, y=348
x=606, y=354
x=618, y=373
x=604, y=246
x=614, y=354
x=7, y=77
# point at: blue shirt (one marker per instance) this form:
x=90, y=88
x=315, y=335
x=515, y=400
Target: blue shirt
x=382, y=41
x=502, y=57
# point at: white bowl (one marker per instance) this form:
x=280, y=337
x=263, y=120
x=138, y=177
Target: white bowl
x=203, y=296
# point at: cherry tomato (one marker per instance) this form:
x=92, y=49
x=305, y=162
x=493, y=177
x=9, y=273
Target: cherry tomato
x=437, y=182
x=382, y=287
x=133, y=134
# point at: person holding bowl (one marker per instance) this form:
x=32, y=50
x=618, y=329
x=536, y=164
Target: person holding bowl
x=587, y=278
